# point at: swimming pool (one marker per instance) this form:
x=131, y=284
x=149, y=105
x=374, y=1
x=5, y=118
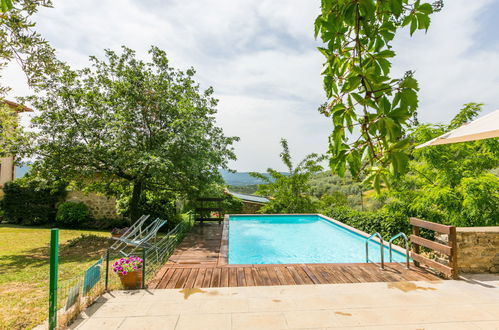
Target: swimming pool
x=293, y=239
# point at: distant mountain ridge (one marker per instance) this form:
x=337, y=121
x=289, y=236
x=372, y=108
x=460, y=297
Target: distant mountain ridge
x=240, y=178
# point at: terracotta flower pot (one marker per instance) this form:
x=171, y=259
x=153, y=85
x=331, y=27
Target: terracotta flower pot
x=116, y=235
x=132, y=280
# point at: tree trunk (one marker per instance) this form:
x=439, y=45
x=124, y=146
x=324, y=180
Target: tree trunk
x=134, y=202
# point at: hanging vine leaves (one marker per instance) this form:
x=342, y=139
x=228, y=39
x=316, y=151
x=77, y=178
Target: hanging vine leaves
x=360, y=90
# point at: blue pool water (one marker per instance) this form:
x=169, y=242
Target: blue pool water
x=297, y=239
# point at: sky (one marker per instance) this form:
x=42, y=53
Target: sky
x=261, y=59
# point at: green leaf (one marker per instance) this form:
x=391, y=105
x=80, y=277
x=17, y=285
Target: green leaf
x=338, y=107
x=414, y=24
x=377, y=183
x=397, y=7
x=423, y=21
x=409, y=82
x=425, y=8
x=385, y=54
x=317, y=26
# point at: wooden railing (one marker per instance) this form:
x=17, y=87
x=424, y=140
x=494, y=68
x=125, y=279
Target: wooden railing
x=448, y=250
x=203, y=213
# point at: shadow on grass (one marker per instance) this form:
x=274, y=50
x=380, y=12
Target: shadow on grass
x=84, y=248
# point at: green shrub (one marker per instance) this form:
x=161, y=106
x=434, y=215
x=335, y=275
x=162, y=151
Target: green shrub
x=72, y=214
x=386, y=224
x=232, y=205
x=30, y=202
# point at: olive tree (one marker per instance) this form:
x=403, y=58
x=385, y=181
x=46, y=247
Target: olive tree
x=289, y=192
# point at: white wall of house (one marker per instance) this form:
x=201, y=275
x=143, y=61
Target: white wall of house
x=7, y=164
x=7, y=170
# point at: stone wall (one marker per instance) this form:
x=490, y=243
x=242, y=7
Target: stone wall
x=478, y=249
x=100, y=206
x=251, y=208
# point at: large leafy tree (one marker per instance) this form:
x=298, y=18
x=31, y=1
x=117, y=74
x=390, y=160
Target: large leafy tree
x=129, y=128
x=452, y=183
x=363, y=97
x=289, y=192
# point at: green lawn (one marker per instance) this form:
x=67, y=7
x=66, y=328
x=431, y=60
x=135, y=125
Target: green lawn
x=24, y=270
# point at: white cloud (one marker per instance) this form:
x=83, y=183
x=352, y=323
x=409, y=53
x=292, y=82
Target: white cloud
x=260, y=57
x=451, y=67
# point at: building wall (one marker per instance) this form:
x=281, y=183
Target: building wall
x=7, y=170
x=100, y=206
x=478, y=249
x=251, y=208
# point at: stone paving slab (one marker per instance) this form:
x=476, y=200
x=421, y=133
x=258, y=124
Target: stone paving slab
x=471, y=303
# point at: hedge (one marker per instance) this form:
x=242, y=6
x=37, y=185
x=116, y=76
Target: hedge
x=26, y=203
x=382, y=222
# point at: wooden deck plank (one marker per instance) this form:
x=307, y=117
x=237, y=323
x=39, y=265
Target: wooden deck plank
x=319, y=274
x=241, y=280
x=330, y=275
x=280, y=275
x=264, y=275
x=286, y=274
x=248, y=276
x=232, y=277
x=311, y=274
x=183, y=278
x=207, y=278
x=192, y=278
x=224, y=277
x=256, y=277
x=173, y=279
x=304, y=276
x=295, y=275
x=215, y=278
x=164, y=280
x=198, y=283
x=273, y=276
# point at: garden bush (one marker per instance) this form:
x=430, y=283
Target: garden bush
x=232, y=205
x=30, y=202
x=72, y=214
x=386, y=224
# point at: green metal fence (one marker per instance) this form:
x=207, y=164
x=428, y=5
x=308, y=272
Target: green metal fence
x=69, y=297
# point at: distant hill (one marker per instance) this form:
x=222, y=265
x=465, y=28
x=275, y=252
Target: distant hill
x=240, y=178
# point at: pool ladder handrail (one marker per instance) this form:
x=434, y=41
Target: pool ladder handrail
x=404, y=236
x=381, y=249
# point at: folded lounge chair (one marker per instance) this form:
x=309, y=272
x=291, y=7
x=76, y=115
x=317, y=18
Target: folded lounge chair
x=132, y=230
x=142, y=238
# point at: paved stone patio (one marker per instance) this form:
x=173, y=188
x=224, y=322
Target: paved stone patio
x=466, y=304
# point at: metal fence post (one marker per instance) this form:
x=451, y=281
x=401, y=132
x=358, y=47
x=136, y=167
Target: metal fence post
x=107, y=268
x=54, y=264
x=143, y=268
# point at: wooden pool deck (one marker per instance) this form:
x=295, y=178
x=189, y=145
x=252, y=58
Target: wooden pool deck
x=200, y=261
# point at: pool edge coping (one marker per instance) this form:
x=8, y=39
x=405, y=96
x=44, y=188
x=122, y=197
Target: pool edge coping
x=223, y=255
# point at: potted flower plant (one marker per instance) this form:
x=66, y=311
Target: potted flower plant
x=118, y=232
x=130, y=271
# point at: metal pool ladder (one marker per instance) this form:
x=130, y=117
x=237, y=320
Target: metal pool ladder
x=404, y=236
x=380, y=246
